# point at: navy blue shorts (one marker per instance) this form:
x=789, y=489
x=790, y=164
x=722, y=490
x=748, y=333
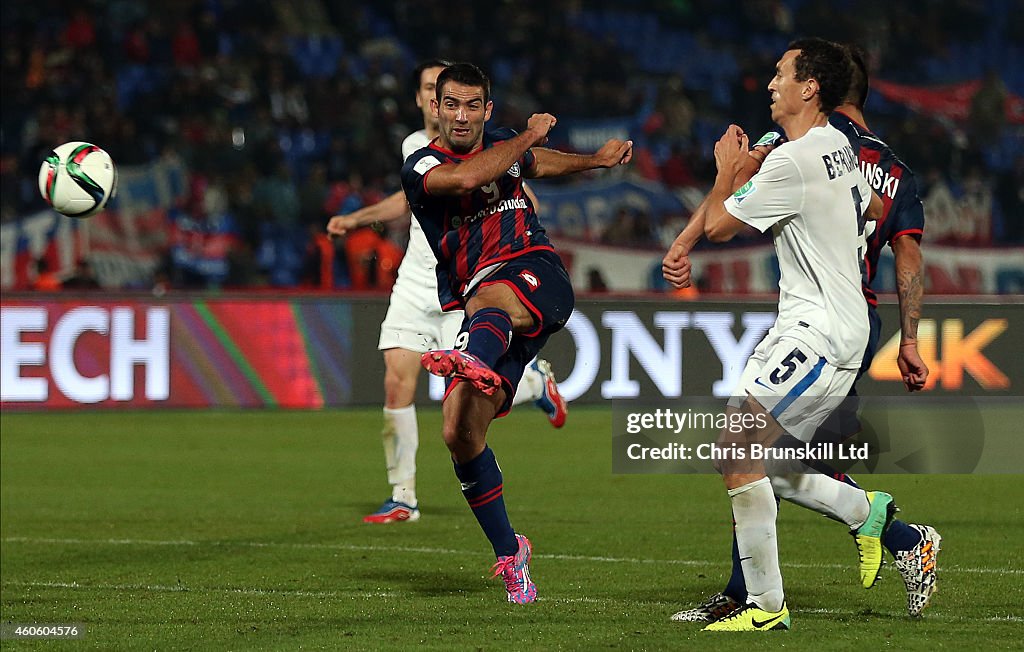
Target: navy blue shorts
x=540, y=281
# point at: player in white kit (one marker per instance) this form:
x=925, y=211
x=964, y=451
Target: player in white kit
x=812, y=195
x=414, y=324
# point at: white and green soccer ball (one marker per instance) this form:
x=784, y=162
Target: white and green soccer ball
x=78, y=179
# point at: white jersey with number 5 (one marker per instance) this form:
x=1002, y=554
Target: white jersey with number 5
x=812, y=195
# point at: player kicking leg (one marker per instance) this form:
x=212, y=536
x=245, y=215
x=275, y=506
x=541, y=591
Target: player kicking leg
x=502, y=332
x=413, y=325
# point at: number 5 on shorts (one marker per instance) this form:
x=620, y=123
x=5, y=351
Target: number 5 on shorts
x=787, y=367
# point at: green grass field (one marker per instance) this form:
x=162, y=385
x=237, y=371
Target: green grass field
x=241, y=530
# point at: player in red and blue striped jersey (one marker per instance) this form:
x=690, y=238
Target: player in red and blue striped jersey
x=494, y=261
x=463, y=240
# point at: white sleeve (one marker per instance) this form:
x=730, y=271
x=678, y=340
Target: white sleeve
x=773, y=194
x=414, y=141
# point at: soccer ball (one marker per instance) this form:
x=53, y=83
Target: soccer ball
x=78, y=179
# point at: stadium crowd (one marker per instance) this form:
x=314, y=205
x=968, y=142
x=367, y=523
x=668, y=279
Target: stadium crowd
x=287, y=113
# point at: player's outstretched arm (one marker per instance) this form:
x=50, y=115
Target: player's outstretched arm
x=388, y=209
x=910, y=290
x=553, y=163
x=488, y=164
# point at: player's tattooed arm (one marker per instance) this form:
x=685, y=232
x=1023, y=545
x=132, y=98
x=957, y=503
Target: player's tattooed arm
x=909, y=285
x=910, y=290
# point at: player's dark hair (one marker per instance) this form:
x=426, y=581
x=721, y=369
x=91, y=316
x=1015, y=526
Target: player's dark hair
x=828, y=63
x=466, y=74
x=417, y=72
x=857, y=94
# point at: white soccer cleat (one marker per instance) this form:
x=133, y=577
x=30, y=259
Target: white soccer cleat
x=919, y=569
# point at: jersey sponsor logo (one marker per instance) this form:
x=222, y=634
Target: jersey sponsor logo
x=514, y=170
x=426, y=163
x=745, y=191
x=530, y=279
x=881, y=181
x=502, y=206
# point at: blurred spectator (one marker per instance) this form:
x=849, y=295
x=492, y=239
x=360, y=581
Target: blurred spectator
x=46, y=280
x=291, y=112
x=373, y=260
x=975, y=223
x=629, y=228
x=988, y=111
x=1009, y=195
x=84, y=277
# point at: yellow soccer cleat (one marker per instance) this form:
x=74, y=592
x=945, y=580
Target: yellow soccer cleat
x=751, y=618
x=868, y=537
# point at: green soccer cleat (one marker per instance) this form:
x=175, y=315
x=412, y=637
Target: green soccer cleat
x=750, y=618
x=868, y=537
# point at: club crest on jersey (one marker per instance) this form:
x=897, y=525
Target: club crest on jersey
x=514, y=170
x=530, y=279
x=744, y=192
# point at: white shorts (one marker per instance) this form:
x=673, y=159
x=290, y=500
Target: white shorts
x=414, y=320
x=791, y=378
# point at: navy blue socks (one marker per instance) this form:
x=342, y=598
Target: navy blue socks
x=490, y=330
x=482, y=487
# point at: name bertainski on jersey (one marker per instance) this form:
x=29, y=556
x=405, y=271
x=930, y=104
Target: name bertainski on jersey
x=840, y=162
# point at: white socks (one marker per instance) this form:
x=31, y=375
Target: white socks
x=825, y=495
x=754, y=510
x=530, y=388
x=401, y=439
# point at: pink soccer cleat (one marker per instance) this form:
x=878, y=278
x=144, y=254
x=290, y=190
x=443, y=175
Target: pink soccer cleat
x=459, y=364
x=515, y=570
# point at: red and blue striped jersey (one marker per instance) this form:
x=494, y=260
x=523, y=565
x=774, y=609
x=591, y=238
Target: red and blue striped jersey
x=892, y=180
x=469, y=233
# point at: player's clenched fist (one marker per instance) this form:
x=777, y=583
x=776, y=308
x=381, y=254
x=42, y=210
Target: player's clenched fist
x=541, y=124
x=675, y=266
x=615, y=152
x=340, y=225
x=731, y=149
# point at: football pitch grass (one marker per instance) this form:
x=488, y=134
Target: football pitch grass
x=242, y=530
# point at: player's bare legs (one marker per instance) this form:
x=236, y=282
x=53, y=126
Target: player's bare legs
x=467, y=413
x=401, y=373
